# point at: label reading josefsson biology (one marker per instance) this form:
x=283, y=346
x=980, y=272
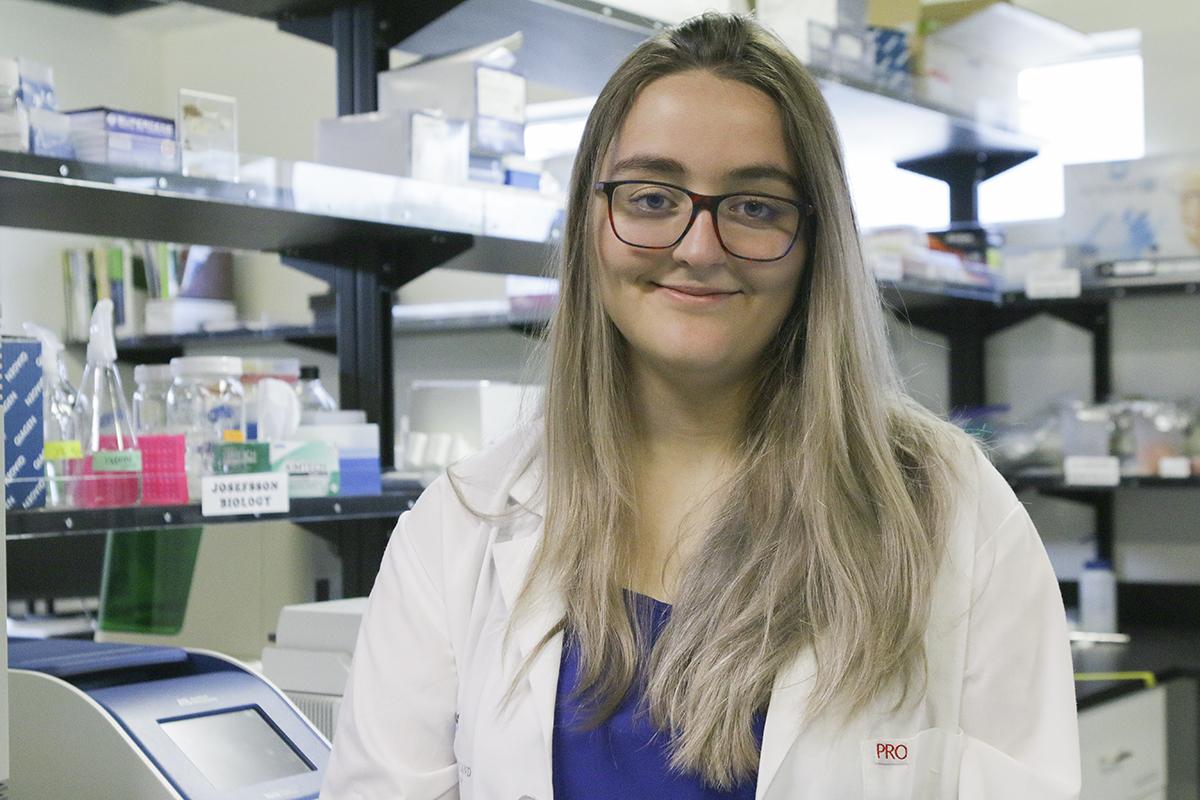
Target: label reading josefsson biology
x=251, y=493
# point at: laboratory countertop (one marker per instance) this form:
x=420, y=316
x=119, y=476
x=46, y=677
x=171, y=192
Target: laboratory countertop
x=1165, y=652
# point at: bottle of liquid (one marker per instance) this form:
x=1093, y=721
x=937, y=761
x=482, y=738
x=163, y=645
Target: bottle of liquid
x=313, y=396
x=60, y=412
x=1098, y=597
x=112, y=461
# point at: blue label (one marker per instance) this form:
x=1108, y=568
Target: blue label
x=219, y=413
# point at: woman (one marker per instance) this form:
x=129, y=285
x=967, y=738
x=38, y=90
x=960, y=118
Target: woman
x=732, y=560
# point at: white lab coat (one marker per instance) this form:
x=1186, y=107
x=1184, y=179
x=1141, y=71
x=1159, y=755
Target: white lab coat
x=422, y=718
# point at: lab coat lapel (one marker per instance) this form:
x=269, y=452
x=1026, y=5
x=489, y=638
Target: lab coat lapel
x=785, y=717
x=512, y=559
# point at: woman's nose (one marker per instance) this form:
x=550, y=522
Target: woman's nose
x=700, y=246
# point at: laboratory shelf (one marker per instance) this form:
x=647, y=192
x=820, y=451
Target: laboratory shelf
x=1164, y=278
x=1048, y=483
x=394, y=227
x=159, y=349
x=40, y=523
x=593, y=39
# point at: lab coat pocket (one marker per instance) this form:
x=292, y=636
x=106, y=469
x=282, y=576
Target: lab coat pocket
x=921, y=767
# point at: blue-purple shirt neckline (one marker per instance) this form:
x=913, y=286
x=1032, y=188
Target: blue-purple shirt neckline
x=626, y=756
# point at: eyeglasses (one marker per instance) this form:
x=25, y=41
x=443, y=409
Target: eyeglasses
x=750, y=226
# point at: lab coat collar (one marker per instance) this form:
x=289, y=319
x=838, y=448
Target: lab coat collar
x=512, y=559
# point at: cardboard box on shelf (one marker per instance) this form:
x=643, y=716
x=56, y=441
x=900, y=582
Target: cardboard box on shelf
x=21, y=391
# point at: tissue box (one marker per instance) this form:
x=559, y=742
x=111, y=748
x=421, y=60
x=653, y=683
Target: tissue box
x=24, y=432
x=477, y=84
x=312, y=467
x=417, y=144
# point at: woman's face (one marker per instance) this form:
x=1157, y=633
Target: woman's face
x=694, y=311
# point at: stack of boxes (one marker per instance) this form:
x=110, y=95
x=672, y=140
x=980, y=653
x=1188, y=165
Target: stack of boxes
x=442, y=119
x=107, y=136
x=964, y=55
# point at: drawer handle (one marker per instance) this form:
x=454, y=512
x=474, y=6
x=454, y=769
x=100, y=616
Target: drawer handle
x=1113, y=761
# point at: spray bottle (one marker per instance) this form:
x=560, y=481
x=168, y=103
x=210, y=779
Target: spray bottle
x=61, y=414
x=113, y=463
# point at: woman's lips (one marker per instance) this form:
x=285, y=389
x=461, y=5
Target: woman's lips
x=694, y=295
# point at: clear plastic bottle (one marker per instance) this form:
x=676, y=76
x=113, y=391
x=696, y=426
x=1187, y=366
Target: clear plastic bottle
x=112, y=460
x=255, y=370
x=60, y=412
x=150, y=398
x=313, y=396
x=206, y=402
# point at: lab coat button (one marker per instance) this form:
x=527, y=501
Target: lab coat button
x=526, y=797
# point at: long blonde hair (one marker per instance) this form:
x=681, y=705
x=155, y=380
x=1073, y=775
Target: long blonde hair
x=829, y=533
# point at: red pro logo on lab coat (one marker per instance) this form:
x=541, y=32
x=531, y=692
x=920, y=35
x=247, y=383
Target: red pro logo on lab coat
x=893, y=752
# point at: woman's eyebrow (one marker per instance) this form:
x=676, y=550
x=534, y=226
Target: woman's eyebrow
x=763, y=171
x=647, y=163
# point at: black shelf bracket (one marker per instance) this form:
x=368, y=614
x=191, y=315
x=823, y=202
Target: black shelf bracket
x=963, y=171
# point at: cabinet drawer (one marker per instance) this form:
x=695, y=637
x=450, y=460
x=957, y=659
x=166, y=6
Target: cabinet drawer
x=1123, y=744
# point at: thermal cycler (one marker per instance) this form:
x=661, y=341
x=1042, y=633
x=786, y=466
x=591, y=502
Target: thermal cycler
x=131, y=722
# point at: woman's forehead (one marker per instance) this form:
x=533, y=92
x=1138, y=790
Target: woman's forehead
x=696, y=124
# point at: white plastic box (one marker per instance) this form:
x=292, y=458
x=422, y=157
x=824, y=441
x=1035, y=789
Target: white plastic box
x=478, y=85
x=415, y=144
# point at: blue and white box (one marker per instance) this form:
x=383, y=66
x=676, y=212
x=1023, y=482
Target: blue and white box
x=113, y=121
x=358, y=454
x=24, y=433
x=1126, y=210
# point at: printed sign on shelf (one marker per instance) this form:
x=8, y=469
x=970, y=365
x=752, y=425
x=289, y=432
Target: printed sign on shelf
x=254, y=493
x=1064, y=283
x=1178, y=467
x=1092, y=470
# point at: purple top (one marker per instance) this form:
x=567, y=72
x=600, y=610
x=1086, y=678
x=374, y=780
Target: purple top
x=626, y=756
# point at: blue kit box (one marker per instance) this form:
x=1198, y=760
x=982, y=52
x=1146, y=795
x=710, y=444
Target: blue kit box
x=21, y=390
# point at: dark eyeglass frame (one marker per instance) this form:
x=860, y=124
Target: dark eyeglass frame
x=704, y=202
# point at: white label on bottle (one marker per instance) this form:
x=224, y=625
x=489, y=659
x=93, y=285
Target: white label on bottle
x=1053, y=283
x=1092, y=470
x=251, y=493
x=1175, y=467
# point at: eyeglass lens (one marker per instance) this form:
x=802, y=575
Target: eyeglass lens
x=750, y=226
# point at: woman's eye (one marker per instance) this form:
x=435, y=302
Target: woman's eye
x=652, y=201
x=755, y=209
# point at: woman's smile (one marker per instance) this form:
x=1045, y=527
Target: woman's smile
x=690, y=295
